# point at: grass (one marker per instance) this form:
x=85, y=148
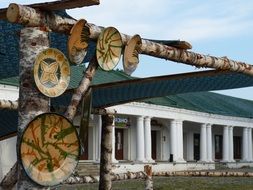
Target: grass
x=177, y=183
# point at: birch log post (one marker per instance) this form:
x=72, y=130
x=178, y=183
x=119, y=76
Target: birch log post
x=10, y=179
x=148, y=47
x=31, y=101
x=82, y=88
x=148, y=178
x=8, y=104
x=105, y=182
x=35, y=18
x=180, y=55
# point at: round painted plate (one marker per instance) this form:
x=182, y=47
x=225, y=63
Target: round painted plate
x=78, y=42
x=51, y=72
x=131, y=54
x=109, y=47
x=49, y=149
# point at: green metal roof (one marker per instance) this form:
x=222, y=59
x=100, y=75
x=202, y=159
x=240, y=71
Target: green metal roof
x=115, y=87
x=198, y=101
x=207, y=102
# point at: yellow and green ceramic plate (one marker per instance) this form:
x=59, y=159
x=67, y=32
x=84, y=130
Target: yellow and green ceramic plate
x=131, y=54
x=78, y=42
x=49, y=149
x=109, y=47
x=51, y=72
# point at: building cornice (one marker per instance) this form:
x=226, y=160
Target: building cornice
x=151, y=110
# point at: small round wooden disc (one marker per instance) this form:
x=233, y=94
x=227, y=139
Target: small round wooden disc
x=130, y=56
x=49, y=149
x=109, y=47
x=51, y=72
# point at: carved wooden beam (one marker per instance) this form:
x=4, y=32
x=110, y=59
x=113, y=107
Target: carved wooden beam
x=148, y=47
x=57, y=5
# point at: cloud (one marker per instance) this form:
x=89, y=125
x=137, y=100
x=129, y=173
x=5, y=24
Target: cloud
x=167, y=19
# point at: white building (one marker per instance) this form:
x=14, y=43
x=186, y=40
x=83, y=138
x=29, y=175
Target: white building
x=169, y=137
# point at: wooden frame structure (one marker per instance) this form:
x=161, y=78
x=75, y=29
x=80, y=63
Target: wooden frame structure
x=39, y=18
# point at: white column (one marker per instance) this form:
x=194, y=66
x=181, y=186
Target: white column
x=173, y=139
x=203, y=146
x=209, y=143
x=113, y=144
x=245, y=147
x=140, y=140
x=180, y=148
x=231, y=144
x=190, y=156
x=97, y=138
x=225, y=153
x=250, y=144
x=147, y=139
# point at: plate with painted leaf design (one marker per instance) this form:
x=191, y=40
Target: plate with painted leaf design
x=49, y=149
x=51, y=72
x=131, y=54
x=109, y=47
x=78, y=42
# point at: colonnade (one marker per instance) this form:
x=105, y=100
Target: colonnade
x=175, y=143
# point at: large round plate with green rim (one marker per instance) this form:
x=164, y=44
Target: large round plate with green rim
x=109, y=47
x=49, y=149
x=51, y=72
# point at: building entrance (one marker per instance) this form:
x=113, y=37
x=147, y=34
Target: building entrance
x=119, y=143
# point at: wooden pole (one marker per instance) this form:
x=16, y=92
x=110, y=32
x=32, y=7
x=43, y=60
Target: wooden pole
x=56, y=5
x=35, y=18
x=31, y=101
x=8, y=104
x=10, y=179
x=148, y=178
x=82, y=88
x=105, y=181
x=18, y=15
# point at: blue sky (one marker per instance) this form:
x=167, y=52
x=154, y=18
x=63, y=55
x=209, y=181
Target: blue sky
x=219, y=28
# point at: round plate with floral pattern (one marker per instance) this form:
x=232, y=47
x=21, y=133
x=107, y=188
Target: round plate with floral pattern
x=109, y=47
x=51, y=72
x=49, y=149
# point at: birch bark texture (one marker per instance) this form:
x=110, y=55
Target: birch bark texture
x=35, y=18
x=8, y=104
x=148, y=178
x=31, y=101
x=82, y=89
x=105, y=182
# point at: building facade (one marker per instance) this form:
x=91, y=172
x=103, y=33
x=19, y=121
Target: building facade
x=170, y=138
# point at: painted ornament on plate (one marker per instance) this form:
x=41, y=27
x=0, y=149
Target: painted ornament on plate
x=109, y=47
x=49, y=149
x=51, y=72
